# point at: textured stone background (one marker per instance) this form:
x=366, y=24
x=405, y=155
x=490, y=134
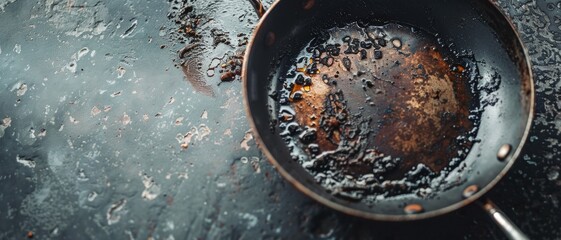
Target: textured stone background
x=102, y=137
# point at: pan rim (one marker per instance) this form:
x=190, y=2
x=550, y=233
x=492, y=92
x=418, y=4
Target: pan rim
x=380, y=216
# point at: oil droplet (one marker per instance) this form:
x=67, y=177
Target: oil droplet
x=413, y=208
x=307, y=88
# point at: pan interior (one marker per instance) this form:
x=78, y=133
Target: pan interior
x=380, y=111
x=412, y=112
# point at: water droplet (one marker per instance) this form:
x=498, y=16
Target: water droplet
x=363, y=54
x=470, y=191
x=308, y=136
x=396, y=42
x=297, y=96
x=378, y=54
x=299, y=80
x=553, y=174
x=347, y=63
x=503, y=152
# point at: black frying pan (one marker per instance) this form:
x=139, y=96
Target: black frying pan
x=468, y=32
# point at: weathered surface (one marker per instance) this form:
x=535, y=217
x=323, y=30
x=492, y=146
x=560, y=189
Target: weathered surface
x=102, y=137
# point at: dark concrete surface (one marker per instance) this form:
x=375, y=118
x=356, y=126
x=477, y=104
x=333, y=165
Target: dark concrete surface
x=102, y=137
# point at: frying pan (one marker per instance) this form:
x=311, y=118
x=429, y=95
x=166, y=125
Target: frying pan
x=475, y=28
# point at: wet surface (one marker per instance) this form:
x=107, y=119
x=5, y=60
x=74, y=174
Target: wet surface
x=109, y=130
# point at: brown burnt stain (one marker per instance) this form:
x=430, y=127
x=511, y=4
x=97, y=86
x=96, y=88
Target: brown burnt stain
x=428, y=115
x=422, y=105
x=313, y=105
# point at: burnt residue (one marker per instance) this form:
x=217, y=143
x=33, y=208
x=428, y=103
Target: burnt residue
x=183, y=14
x=231, y=67
x=393, y=114
x=187, y=32
x=192, y=70
x=200, y=35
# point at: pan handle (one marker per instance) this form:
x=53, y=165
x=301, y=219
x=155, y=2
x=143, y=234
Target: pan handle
x=512, y=231
x=258, y=6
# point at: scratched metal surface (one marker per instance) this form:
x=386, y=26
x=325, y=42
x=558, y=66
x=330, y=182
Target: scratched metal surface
x=103, y=137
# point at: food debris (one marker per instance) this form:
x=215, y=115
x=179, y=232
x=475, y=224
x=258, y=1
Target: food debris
x=184, y=140
x=121, y=71
x=126, y=119
x=247, y=137
x=6, y=122
x=22, y=89
x=171, y=100
x=73, y=120
x=203, y=131
x=219, y=36
x=255, y=164
x=115, y=94
x=95, y=111
x=179, y=121
x=198, y=133
x=227, y=76
x=113, y=213
x=228, y=132
x=42, y=132
x=151, y=189
x=25, y=162
x=231, y=68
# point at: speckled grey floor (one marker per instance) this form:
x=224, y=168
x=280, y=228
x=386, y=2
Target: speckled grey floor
x=94, y=115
